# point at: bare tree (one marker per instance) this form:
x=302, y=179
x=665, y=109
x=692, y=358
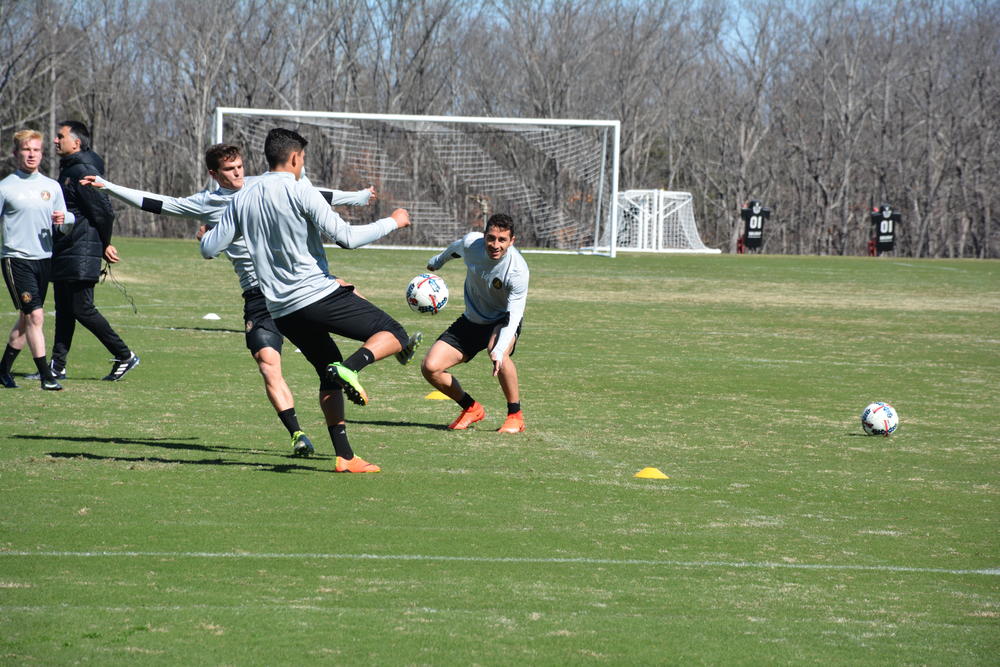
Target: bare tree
x=823, y=108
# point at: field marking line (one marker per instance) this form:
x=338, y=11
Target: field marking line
x=929, y=266
x=992, y=572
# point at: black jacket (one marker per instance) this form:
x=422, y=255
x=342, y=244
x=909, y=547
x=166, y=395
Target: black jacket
x=78, y=255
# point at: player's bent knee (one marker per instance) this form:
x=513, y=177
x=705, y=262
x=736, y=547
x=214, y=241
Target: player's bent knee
x=386, y=323
x=400, y=334
x=270, y=372
x=427, y=371
x=35, y=316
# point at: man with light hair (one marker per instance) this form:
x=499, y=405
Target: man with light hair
x=30, y=204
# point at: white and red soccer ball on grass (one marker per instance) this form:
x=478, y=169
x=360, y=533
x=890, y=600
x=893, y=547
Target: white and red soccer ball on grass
x=879, y=419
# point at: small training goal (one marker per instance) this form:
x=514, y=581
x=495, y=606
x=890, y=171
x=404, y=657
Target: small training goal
x=658, y=221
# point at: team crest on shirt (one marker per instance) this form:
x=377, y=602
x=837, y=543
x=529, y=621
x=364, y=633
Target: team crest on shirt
x=46, y=195
x=497, y=283
x=249, y=324
x=26, y=297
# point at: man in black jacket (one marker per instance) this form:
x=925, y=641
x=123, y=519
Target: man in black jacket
x=76, y=256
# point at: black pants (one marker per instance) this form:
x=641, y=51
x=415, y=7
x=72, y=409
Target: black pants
x=75, y=303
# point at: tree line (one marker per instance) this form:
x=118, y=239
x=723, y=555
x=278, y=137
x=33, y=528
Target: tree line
x=820, y=109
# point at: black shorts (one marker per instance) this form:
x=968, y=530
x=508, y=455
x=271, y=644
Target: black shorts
x=470, y=338
x=261, y=331
x=343, y=313
x=27, y=281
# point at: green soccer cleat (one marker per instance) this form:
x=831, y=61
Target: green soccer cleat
x=301, y=446
x=348, y=381
x=406, y=354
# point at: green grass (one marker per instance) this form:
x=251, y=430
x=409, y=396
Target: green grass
x=162, y=519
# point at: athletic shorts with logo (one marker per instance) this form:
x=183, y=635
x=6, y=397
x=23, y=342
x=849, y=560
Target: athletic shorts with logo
x=261, y=331
x=27, y=281
x=343, y=313
x=470, y=338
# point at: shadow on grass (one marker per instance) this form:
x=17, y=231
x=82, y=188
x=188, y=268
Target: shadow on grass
x=164, y=444
x=219, y=329
x=383, y=422
x=76, y=378
x=266, y=467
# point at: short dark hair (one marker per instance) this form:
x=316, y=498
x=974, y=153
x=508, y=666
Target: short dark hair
x=78, y=130
x=501, y=221
x=280, y=144
x=217, y=153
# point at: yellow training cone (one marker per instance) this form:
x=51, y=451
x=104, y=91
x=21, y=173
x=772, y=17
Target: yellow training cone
x=436, y=396
x=651, y=473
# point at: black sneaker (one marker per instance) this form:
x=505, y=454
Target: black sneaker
x=404, y=355
x=120, y=367
x=57, y=374
x=7, y=381
x=51, y=385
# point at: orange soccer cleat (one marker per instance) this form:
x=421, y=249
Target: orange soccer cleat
x=513, y=424
x=357, y=464
x=470, y=416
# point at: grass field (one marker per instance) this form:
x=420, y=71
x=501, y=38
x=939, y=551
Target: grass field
x=162, y=519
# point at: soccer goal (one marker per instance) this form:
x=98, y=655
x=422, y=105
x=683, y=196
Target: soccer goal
x=557, y=178
x=658, y=221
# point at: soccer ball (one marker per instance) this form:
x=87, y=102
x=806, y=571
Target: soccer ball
x=879, y=419
x=427, y=294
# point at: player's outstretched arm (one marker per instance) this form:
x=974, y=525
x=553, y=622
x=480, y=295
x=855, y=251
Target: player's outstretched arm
x=455, y=250
x=180, y=207
x=345, y=235
x=215, y=240
x=342, y=198
x=97, y=209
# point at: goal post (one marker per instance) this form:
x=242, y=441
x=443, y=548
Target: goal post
x=558, y=178
x=658, y=221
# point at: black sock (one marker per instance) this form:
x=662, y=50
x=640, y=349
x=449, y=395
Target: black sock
x=43, y=368
x=359, y=359
x=338, y=433
x=466, y=401
x=7, y=362
x=513, y=407
x=289, y=419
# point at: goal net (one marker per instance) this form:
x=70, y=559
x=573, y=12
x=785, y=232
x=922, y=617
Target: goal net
x=556, y=178
x=658, y=221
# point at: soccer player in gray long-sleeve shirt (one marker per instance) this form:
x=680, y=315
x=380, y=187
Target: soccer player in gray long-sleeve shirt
x=29, y=204
x=263, y=340
x=496, y=290
x=280, y=218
